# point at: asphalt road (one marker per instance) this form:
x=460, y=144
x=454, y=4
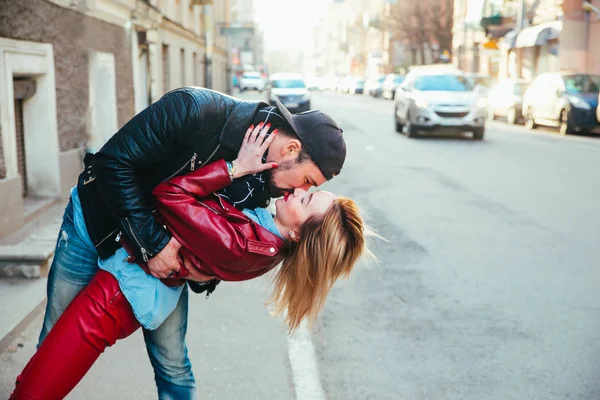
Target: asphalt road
x=486, y=288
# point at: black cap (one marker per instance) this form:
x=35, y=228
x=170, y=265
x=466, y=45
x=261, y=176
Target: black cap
x=321, y=137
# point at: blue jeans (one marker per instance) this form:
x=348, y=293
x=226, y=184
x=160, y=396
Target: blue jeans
x=74, y=265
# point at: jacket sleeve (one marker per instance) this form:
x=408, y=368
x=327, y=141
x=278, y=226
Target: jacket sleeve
x=160, y=131
x=200, y=183
x=223, y=249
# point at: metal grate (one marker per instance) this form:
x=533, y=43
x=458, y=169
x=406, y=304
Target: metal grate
x=452, y=114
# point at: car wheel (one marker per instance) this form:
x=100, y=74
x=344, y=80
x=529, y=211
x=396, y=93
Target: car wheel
x=530, y=122
x=409, y=128
x=566, y=128
x=478, y=133
x=511, y=117
x=398, y=125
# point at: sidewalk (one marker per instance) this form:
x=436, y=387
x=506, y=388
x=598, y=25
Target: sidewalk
x=25, y=256
x=238, y=351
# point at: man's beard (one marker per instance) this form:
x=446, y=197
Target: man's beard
x=274, y=190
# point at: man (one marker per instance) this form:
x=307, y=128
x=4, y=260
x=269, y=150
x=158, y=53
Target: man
x=185, y=129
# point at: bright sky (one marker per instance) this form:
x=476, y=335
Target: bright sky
x=287, y=23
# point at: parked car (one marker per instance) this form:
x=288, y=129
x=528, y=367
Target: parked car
x=598, y=109
x=482, y=83
x=566, y=100
x=390, y=84
x=291, y=90
x=343, y=84
x=437, y=100
x=505, y=99
x=373, y=85
x=328, y=83
x=252, y=81
x=356, y=86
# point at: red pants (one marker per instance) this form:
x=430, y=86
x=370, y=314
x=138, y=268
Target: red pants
x=98, y=317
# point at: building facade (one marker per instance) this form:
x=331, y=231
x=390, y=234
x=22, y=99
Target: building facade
x=522, y=39
x=72, y=72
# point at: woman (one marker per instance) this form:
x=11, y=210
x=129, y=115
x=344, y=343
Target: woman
x=317, y=237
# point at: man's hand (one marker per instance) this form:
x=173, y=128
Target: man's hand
x=254, y=146
x=194, y=273
x=166, y=261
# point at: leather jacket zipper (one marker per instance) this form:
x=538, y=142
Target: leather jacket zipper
x=103, y=240
x=145, y=253
x=192, y=162
x=210, y=208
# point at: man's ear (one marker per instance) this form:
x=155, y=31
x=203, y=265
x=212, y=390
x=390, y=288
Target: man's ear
x=292, y=146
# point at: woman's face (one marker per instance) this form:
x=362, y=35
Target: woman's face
x=294, y=209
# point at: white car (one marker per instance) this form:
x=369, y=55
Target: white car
x=291, y=90
x=252, y=81
x=436, y=100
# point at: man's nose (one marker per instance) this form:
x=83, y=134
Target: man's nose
x=305, y=187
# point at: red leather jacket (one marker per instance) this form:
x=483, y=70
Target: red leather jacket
x=217, y=238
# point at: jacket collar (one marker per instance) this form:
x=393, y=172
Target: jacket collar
x=238, y=122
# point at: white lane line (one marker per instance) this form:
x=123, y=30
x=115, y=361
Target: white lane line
x=305, y=370
x=303, y=359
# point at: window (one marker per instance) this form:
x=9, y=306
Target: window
x=582, y=83
x=447, y=83
x=288, y=84
x=182, y=66
x=194, y=69
x=520, y=88
x=165, y=68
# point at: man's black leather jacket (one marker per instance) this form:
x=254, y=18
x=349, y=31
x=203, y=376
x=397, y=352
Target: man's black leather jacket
x=185, y=129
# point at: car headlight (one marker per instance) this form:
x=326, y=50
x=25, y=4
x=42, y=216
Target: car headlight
x=481, y=102
x=578, y=103
x=305, y=97
x=422, y=103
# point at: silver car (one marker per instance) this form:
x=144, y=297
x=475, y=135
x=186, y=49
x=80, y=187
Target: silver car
x=439, y=100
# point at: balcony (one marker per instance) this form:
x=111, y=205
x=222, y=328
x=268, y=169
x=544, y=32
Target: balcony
x=201, y=2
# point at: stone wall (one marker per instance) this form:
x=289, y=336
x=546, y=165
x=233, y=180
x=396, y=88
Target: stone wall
x=72, y=35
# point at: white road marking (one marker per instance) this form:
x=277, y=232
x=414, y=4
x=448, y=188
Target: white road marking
x=305, y=370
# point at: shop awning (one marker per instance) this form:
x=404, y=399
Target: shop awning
x=539, y=34
x=533, y=36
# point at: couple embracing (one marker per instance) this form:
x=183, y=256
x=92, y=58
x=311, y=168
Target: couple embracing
x=177, y=199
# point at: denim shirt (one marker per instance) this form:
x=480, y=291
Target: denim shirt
x=152, y=301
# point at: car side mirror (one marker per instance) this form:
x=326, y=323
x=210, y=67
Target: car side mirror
x=559, y=92
x=405, y=88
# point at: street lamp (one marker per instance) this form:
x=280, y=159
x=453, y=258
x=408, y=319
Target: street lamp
x=587, y=6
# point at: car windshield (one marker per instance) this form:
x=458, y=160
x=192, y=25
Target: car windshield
x=582, y=83
x=251, y=77
x=445, y=83
x=380, y=80
x=399, y=79
x=288, y=84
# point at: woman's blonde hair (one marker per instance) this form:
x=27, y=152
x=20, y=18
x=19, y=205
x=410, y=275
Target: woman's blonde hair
x=328, y=247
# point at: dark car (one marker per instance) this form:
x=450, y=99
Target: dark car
x=566, y=100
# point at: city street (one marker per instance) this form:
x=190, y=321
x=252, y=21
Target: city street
x=486, y=287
